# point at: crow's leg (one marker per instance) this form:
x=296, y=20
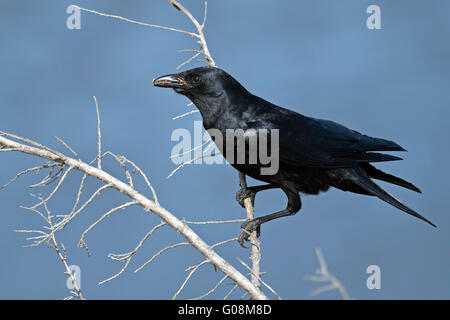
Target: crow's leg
x=293, y=206
x=245, y=193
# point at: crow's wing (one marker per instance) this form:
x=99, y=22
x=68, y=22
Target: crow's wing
x=305, y=141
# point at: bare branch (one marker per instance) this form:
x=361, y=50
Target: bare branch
x=28, y=141
x=190, y=150
x=81, y=242
x=129, y=256
x=323, y=275
x=214, y=221
x=199, y=27
x=72, y=277
x=7, y=149
x=147, y=204
x=230, y=292
x=259, y=279
x=255, y=256
x=121, y=162
x=136, y=168
x=99, y=135
x=80, y=190
x=204, y=14
x=68, y=147
x=11, y=142
x=37, y=169
x=185, y=114
x=188, y=162
x=193, y=270
x=140, y=23
x=61, y=180
x=49, y=178
x=212, y=290
x=189, y=60
x=160, y=252
x=191, y=50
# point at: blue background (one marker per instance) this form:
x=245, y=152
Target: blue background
x=315, y=57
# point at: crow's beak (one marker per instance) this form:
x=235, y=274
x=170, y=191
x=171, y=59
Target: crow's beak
x=169, y=81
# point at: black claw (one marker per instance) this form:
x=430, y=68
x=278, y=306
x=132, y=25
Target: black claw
x=247, y=228
x=242, y=238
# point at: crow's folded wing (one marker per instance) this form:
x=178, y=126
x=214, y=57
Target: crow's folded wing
x=305, y=141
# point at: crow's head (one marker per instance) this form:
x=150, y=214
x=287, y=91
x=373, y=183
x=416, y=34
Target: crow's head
x=198, y=82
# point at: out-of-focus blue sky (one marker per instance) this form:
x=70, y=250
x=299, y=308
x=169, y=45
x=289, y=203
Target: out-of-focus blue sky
x=315, y=57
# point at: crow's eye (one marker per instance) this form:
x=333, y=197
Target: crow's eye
x=196, y=79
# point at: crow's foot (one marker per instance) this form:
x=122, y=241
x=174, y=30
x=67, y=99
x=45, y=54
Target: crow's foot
x=243, y=194
x=247, y=228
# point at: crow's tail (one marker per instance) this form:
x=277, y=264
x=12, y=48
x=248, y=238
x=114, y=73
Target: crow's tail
x=380, y=175
x=360, y=178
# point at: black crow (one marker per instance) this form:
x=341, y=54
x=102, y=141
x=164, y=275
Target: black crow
x=313, y=154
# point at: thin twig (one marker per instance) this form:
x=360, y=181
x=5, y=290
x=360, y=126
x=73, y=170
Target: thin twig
x=230, y=292
x=193, y=270
x=160, y=252
x=120, y=160
x=259, y=279
x=212, y=290
x=140, y=23
x=214, y=221
x=72, y=277
x=68, y=147
x=185, y=114
x=80, y=190
x=37, y=169
x=99, y=135
x=81, y=242
x=200, y=30
x=190, y=150
x=188, y=60
x=189, y=162
x=136, y=168
x=129, y=256
x=323, y=275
